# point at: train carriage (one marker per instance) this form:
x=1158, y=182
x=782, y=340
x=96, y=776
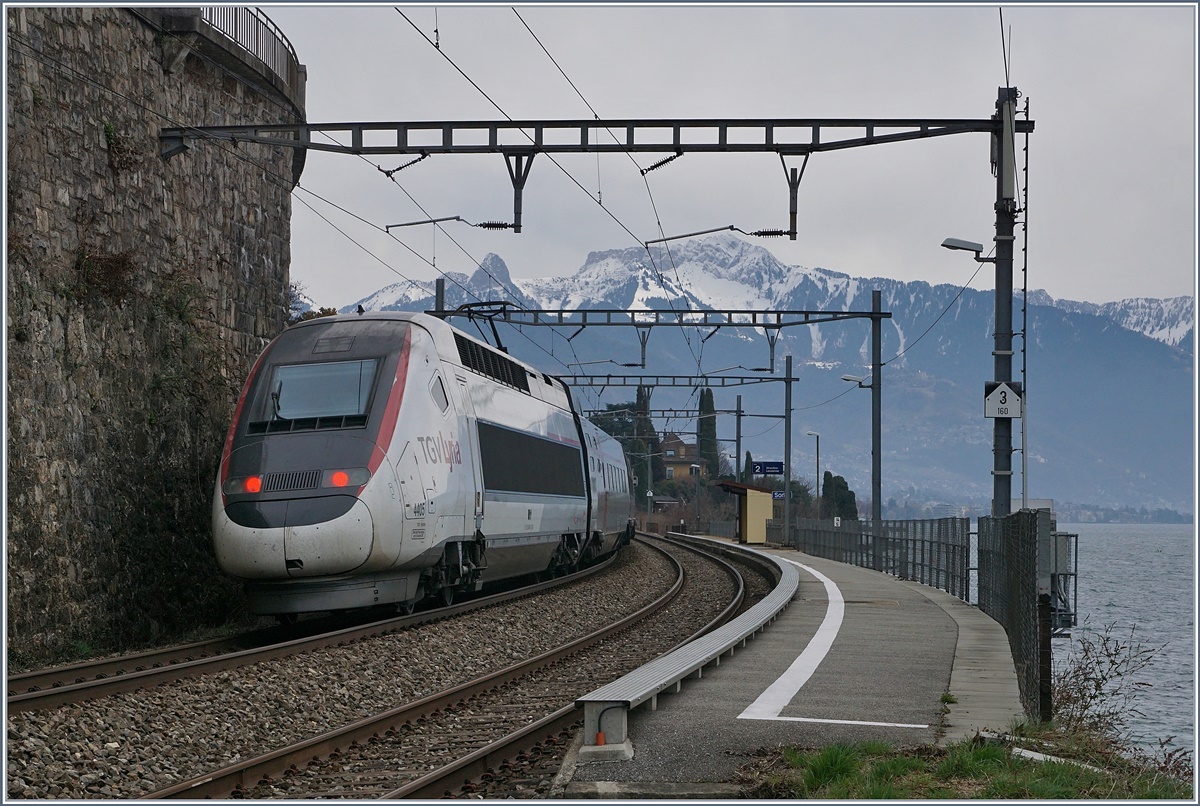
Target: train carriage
x=382, y=458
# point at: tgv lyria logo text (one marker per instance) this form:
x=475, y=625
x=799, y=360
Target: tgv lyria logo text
x=441, y=450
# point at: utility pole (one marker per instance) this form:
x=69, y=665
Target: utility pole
x=787, y=451
x=1006, y=216
x=876, y=407
x=739, y=467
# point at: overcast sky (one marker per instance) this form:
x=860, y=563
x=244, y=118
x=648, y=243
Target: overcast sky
x=1112, y=172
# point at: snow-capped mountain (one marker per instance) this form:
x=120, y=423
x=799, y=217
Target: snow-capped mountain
x=1109, y=387
x=1171, y=320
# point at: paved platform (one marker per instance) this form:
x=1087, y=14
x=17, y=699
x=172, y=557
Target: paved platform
x=858, y=655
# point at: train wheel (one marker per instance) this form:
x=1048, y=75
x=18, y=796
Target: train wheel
x=446, y=596
x=406, y=608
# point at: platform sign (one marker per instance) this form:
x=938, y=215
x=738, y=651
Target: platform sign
x=1002, y=400
x=777, y=495
x=767, y=468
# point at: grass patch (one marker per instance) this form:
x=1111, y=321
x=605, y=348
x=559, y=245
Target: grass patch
x=970, y=770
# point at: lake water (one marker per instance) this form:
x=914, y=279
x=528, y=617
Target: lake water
x=1143, y=577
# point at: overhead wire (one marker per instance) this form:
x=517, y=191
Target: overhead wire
x=556, y=163
x=466, y=291
x=649, y=192
x=945, y=310
x=350, y=238
x=269, y=171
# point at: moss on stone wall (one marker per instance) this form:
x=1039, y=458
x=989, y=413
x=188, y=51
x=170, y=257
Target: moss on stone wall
x=140, y=291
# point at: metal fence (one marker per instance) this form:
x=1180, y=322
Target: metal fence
x=1026, y=575
x=1009, y=582
x=933, y=552
x=726, y=529
x=255, y=33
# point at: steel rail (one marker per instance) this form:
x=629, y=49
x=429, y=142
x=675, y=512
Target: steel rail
x=474, y=765
x=243, y=775
x=58, y=676
x=112, y=676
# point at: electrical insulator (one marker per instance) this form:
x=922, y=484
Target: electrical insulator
x=494, y=225
x=770, y=233
x=662, y=162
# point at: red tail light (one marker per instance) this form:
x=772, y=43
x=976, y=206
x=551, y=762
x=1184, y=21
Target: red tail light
x=238, y=485
x=346, y=477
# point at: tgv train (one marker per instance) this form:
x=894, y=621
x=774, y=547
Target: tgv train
x=383, y=458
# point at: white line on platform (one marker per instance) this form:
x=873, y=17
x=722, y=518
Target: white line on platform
x=772, y=701
x=846, y=722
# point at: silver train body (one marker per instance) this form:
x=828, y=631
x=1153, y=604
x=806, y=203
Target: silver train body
x=383, y=458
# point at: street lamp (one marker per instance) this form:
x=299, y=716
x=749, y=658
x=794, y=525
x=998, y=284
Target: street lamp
x=818, y=436
x=967, y=246
x=1002, y=354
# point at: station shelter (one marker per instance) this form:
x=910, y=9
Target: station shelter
x=754, y=510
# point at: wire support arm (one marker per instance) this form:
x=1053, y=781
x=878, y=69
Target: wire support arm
x=620, y=317
x=797, y=136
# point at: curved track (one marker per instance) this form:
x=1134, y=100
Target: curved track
x=427, y=748
x=50, y=688
x=496, y=734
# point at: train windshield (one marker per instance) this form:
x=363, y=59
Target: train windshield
x=333, y=393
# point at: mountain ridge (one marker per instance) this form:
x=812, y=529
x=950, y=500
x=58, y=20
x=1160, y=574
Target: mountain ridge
x=1094, y=437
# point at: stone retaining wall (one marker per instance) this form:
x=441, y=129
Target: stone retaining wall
x=139, y=292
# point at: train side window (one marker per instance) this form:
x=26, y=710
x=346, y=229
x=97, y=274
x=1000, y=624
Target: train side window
x=439, y=394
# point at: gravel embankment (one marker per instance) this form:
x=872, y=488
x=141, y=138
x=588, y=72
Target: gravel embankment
x=130, y=744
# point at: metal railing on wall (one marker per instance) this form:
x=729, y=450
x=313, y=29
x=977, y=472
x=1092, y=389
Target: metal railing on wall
x=254, y=32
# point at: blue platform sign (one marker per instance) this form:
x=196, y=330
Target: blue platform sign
x=777, y=495
x=768, y=468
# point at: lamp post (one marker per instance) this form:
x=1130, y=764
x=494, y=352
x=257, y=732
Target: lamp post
x=818, y=436
x=1001, y=371
x=695, y=471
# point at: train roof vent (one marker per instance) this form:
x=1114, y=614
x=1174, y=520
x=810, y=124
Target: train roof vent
x=486, y=361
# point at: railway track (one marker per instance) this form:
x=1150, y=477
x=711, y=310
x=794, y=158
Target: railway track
x=50, y=688
x=496, y=735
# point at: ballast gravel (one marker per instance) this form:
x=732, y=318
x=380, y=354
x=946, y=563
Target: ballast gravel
x=128, y=745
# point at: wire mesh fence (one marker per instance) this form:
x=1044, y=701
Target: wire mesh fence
x=1009, y=593
x=933, y=552
x=1013, y=587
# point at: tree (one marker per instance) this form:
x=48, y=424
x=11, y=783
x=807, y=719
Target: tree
x=617, y=420
x=708, y=449
x=314, y=314
x=643, y=446
x=837, y=499
x=747, y=469
x=803, y=502
x=644, y=430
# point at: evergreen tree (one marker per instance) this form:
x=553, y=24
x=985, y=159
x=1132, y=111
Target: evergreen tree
x=617, y=420
x=709, y=449
x=644, y=430
x=747, y=470
x=837, y=499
